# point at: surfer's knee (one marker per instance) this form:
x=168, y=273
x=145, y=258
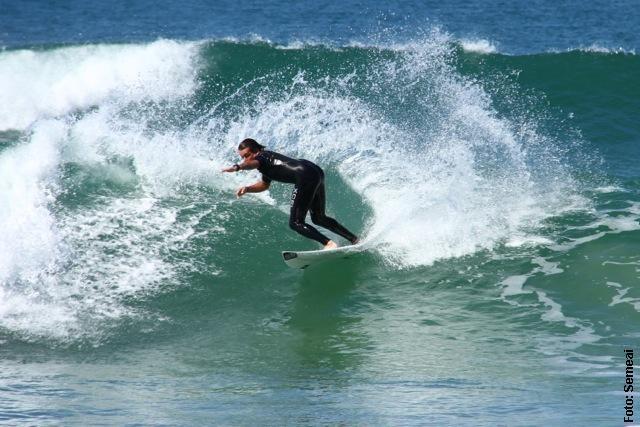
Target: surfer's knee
x=294, y=224
x=317, y=218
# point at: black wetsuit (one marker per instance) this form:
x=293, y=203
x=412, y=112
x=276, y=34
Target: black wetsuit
x=308, y=194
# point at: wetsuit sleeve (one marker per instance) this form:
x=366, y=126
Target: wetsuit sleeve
x=266, y=179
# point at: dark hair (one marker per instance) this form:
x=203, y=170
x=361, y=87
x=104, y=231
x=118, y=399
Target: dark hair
x=252, y=144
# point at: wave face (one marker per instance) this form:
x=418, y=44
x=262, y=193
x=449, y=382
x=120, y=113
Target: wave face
x=109, y=134
x=488, y=187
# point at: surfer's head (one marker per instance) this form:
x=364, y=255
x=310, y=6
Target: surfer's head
x=248, y=148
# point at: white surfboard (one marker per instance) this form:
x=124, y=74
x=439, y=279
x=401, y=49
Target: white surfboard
x=303, y=259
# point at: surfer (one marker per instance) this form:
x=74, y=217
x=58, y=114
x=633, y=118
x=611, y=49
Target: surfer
x=308, y=193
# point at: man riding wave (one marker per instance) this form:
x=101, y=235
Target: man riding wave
x=308, y=194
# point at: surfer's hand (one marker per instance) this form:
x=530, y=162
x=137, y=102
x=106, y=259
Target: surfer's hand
x=241, y=191
x=229, y=169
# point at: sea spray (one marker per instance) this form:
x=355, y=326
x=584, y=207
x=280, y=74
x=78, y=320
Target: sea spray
x=451, y=177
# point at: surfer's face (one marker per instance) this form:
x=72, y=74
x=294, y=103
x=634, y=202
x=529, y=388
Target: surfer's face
x=246, y=154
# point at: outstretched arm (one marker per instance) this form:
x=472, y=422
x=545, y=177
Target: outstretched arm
x=246, y=165
x=258, y=187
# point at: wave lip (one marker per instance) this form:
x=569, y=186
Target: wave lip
x=597, y=48
x=478, y=46
x=40, y=84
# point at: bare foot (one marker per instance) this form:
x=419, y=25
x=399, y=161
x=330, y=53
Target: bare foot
x=330, y=245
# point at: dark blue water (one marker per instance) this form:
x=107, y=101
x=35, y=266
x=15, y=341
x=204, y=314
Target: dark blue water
x=514, y=26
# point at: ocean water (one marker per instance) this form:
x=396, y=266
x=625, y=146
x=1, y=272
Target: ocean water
x=487, y=152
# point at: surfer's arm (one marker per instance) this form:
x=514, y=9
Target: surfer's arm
x=246, y=165
x=258, y=187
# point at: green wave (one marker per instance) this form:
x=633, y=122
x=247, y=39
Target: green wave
x=596, y=91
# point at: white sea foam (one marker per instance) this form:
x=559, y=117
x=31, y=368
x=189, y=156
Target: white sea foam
x=513, y=285
x=598, y=48
x=518, y=240
x=39, y=84
x=302, y=44
x=111, y=252
x=68, y=273
x=609, y=189
x=28, y=242
x=615, y=224
x=478, y=46
x=576, y=242
x=562, y=348
x=547, y=267
x=621, y=296
x=251, y=38
x=62, y=272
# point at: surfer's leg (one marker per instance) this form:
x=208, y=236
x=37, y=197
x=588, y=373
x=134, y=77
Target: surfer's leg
x=319, y=217
x=300, y=201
